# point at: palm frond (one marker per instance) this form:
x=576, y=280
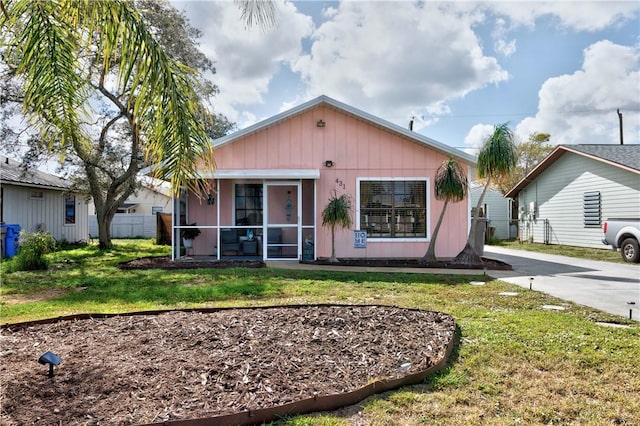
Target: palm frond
x=261, y=13
x=498, y=155
x=450, y=183
x=45, y=52
x=44, y=41
x=338, y=211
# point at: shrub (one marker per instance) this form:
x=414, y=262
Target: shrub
x=33, y=247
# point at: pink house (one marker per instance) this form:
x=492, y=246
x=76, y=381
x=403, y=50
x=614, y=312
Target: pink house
x=273, y=180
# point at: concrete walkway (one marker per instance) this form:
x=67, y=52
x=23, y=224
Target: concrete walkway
x=605, y=286
x=601, y=285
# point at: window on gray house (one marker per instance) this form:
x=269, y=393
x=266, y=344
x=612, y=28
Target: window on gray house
x=592, y=209
x=70, y=209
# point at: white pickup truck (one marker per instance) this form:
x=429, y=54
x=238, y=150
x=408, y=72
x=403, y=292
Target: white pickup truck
x=623, y=234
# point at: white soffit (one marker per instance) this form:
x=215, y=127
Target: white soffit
x=263, y=174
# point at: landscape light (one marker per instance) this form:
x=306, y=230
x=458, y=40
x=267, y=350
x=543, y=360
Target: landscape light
x=631, y=309
x=51, y=359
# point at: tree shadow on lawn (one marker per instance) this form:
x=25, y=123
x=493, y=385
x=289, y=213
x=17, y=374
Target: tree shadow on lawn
x=216, y=285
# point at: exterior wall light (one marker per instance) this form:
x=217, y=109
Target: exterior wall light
x=328, y=163
x=321, y=123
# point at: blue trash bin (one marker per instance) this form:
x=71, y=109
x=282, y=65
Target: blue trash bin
x=11, y=239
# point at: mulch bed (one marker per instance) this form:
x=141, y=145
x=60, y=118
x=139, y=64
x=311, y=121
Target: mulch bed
x=487, y=263
x=179, y=365
x=164, y=262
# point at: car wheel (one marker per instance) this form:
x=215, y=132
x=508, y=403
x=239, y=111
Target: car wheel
x=630, y=251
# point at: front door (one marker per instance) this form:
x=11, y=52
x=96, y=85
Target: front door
x=282, y=234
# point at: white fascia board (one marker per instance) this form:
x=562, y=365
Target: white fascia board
x=320, y=100
x=263, y=174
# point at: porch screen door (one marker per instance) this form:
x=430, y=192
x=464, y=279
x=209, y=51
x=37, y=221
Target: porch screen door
x=283, y=221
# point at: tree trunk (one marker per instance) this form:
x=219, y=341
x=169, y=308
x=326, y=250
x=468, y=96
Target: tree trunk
x=104, y=229
x=430, y=255
x=474, y=222
x=333, y=258
x=468, y=256
x=107, y=197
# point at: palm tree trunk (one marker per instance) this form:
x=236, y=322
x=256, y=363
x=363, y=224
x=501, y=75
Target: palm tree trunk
x=474, y=222
x=333, y=257
x=430, y=255
x=469, y=255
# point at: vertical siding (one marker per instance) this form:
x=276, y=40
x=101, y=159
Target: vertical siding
x=558, y=193
x=128, y=226
x=29, y=213
x=358, y=150
x=498, y=210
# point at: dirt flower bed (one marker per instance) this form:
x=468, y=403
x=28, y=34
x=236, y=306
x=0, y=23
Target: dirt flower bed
x=180, y=365
x=487, y=263
x=165, y=262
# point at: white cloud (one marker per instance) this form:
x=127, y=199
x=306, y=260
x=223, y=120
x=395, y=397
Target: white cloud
x=501, y=45
x=581, y=107
x=397, y=58
x=476, y=137
x=409, y=59
x=577, y=15
x=247, y=59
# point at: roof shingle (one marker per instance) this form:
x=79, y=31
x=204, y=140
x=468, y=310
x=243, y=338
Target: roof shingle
x=12, y=172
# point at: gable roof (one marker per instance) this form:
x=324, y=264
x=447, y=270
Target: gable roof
x=13, y=173
x=626, y=157
x=349, y=110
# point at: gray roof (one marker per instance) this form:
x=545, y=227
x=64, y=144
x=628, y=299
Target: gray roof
x=11, y=172
x=625, y=155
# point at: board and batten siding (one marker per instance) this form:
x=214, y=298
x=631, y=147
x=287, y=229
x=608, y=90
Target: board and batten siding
x=358, y=150
x=497, y=210
x=559, y=193
x=46, y=212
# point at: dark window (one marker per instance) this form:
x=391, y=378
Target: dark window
x=592, y=209
x=248, y=204
x=69, y=209
x=393, y=209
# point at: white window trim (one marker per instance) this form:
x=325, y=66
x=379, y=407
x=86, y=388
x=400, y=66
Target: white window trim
x=425, y=179
x=64, y=210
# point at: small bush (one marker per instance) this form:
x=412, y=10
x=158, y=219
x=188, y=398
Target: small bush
x=33, y=247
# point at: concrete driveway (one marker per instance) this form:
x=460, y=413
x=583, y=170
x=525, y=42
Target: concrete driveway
x=601, y=285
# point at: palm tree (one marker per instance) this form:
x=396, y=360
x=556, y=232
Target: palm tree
x=337, y=214
x=497, y=158
x=45, y=44
x=450, y=185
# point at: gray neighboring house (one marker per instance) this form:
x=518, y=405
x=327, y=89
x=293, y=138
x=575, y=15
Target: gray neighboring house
x=497, y=209
x=40, y=201
x=567, y=197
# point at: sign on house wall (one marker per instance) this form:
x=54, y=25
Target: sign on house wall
x=360, y=239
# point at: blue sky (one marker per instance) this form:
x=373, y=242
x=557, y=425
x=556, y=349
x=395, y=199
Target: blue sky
x=459, y=68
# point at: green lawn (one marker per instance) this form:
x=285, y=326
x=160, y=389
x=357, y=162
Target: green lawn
x=604, y=254
x=515, y=363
